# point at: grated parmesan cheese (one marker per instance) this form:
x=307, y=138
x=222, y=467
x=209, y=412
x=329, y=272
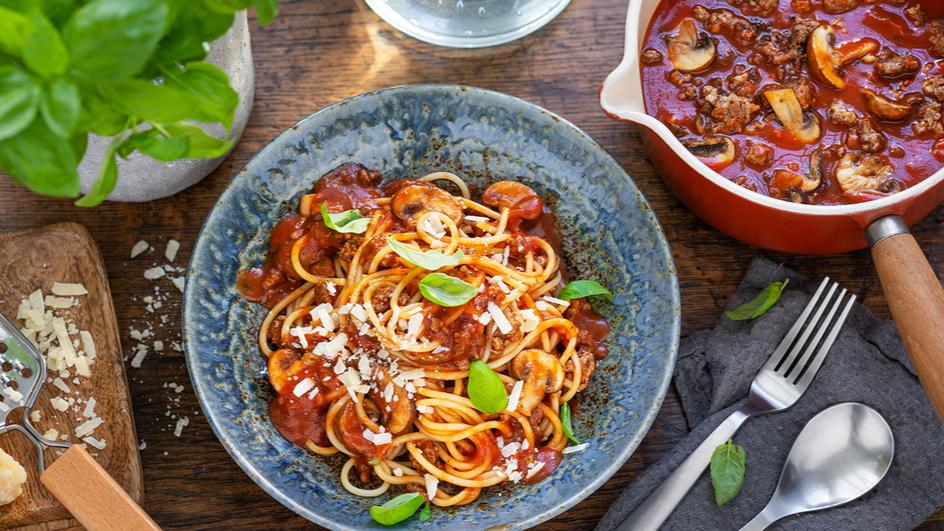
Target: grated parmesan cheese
x=68, y=289
x=303, y=387
x=574, y=449
x=170, y=252
x=95, y=443
x=515, y=396
x=432, y=485
x=154, y=273
x=182, y=423
x=139, y=248
x=504, y=326
x=58, y=403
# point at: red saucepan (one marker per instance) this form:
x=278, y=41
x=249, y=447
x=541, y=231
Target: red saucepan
x=912, y=289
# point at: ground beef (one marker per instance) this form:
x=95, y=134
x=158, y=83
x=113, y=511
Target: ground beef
x=870, y=139
x=759, y=155
x=891, y=65
x=804, y=90
x=929, y=119
x=651, y=56
x=916, y=15
x=934, y=87
x=801, y=6
x=349, y=249
x=684, y=81
x=842, y=114
x=786, y=50
x=839, y=6
x=758, y=8
x=724, y=112
x=743, y=81
x=741, y=30
x=587, y=366
x=936, y=29
x=380, y=298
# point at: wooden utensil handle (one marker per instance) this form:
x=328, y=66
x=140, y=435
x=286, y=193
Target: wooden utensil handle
x=92, y=496
x=916, y=300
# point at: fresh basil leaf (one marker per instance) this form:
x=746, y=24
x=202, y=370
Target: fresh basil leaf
x=148, y=101
x=425, y=514
x=202, y=145
x=431, y=260
x=100, y=116
x=759, y=305
x=107, y=178
x=566, y=422
x=266, y=10
x=79, y=142
x=113, y=39
x=13, y=26
x=57, y=10
x=155, y=145
x=579, y=289
x=398, y=509
x=60, y=106
x=40, y=161
x=192, y=25
x=209, y=87
x=349, y=221
x=228, y=6
x=727, y=471
x=19, y=100
x=447, y=291
x=485, y=388
x=44, y=52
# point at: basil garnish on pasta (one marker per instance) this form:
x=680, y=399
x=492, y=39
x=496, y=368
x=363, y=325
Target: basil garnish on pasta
x=425, y=514
x=398, y=509
x=447, y=291
x=486, y=390
x=431, y=260
x=579, y=289
x=349, y=221
x=566, y=423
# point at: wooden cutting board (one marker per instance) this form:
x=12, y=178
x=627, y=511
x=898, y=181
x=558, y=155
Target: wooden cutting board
x=34, y=259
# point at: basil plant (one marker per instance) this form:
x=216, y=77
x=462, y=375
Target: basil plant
x=132, y=70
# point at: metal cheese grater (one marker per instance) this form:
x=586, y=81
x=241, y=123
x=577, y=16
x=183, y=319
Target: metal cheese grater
x=22, y=374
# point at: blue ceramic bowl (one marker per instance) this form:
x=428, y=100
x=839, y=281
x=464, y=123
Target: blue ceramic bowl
x=610, y=234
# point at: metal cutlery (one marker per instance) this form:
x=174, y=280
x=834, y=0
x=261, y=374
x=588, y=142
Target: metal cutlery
x=842, y=453
x=778, y=385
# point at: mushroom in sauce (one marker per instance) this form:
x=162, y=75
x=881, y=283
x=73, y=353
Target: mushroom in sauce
x=715, y=151
x=804, y=127
x=859, y=172
x=688, y=50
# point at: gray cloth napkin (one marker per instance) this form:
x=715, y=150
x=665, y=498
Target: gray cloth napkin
x=867, y=364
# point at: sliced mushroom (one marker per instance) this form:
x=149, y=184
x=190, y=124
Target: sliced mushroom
x=803, y=126
x=282, y=364
x=541, y=373
x=397, y=410
x=520, y=199
x=853, y=50
x=689, y=51
x=890, y=110
x=815, y=174
x=784, y=180
x=823, y=59
x=417, y=198
x=715, y=151
x=859, y=172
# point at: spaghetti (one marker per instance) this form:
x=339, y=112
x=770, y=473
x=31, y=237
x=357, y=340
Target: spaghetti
x=366, y=365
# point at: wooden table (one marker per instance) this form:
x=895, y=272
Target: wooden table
x=316, y=53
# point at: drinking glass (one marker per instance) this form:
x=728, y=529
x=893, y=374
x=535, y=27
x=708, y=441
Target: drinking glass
x=467, y=23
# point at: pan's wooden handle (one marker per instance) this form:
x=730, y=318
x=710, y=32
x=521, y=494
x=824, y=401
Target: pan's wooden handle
x=95, y=499
x=916, y=300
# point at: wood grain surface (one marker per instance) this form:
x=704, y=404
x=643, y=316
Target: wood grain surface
x=33, y=259
x=316, y=53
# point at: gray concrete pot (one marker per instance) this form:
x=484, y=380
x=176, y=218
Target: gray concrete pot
x=141, y=178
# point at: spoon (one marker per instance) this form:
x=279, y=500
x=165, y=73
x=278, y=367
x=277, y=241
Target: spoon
x=842, y=453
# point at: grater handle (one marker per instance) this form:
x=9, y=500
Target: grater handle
x=95, y=499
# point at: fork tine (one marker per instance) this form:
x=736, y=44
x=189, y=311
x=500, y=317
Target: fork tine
x=808, y=328
x=807, y=377
x=794, y=371
x=774, y=360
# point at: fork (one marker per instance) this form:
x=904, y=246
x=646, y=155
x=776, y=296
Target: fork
x=778, y=385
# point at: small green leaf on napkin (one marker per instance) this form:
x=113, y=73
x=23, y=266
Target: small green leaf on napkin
x=759, y=305
x=727, y=471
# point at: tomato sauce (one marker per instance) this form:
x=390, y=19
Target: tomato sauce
x=911, y=155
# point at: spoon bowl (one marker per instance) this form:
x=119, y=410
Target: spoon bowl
x=842, y=453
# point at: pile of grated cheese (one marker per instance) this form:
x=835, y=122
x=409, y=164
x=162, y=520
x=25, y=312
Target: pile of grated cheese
x=70, y=354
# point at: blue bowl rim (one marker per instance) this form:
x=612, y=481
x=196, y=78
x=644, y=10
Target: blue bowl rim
x=246, y=464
